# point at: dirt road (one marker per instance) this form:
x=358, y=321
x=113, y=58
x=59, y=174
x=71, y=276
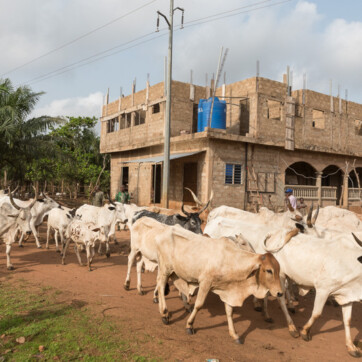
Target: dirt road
x=103, y=290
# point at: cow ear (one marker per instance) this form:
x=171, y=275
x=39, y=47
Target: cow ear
x=111, y=208
x=96, y=229
x=180, y=217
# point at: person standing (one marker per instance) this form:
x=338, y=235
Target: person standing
x=292, y=199
x=301, y=206
x=123, y=196
x=98, y=197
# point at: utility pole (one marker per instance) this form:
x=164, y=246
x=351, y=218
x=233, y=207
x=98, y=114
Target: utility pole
x=166, y=149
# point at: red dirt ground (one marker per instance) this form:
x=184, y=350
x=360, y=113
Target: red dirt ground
x=102, y=289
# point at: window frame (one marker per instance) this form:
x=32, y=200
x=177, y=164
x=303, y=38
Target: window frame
x=233, y=176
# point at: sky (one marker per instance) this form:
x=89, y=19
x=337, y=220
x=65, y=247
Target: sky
x=74, y=50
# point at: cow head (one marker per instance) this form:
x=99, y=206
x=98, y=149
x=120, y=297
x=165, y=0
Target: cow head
x=120, y=211
x=268, y=274
x=22, y=215
x=192, y=220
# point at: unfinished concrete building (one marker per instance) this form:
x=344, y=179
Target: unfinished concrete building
x=274, y=138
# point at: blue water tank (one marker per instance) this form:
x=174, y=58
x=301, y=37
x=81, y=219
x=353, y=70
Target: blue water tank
x=218, y=114
x=200, y=115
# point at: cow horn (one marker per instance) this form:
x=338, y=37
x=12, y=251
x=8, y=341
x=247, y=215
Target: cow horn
x=197, y=201
x=290, y=207
x=208, y=203
x=358, y=241
x=17, y=186
x=183, y=210
x=297, y=218
x=12, y=200
x=291, y=233
x=315, y=215
x=35, y=198
x=309, y=222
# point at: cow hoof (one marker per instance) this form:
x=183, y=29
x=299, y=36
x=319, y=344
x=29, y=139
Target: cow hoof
x=190, y=331
x=141, y=292
x=10, y=267
x=21, y=245
x=90, y=269
x=306, y=336
x=237, y=341
x=355, y=353
x=108, y=255
x=126, y=286
x=294, y=334
x=155, y=300
x=39, y=247
x=269, y=320
x=291, y=310
x=165, y=320
x=61, y=254
x=58, y=251
x=258, y=309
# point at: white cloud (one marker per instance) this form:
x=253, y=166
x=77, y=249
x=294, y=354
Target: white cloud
x=79, y=106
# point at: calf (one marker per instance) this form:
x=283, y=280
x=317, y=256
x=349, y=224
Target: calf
x=83, y=234
x=58, y=220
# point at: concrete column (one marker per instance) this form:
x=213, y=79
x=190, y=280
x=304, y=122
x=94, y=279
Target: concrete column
x=345, y=191
x=319, y=185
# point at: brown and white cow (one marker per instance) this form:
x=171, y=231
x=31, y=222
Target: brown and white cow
x=217, y=265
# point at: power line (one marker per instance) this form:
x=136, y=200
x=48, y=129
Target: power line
x=199, y=21
x=78, y=38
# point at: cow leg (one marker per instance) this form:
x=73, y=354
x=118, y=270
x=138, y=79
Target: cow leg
x=162, y=279
x=288, y=294
x=92, y=252
x=155, y=295
x=33, y=229
x=64, y=250
x=257, y=304
x=139, y=277
x=319, y=301
x=108, y=253
x=89, y=261
x=185, y=302
x=347, y=315
x=100, y=249
x=76, y=250
x=21, y=240
x=199, y=302
x=131, y=258
x=8, y=261
x=48, y=234
x=293, y=331
x=61, y=233
x=229, y=316
x=266, y=315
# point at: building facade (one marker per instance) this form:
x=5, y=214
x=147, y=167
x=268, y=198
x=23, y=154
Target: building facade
x=274, y=138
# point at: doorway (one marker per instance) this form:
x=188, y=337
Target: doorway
x=156, y=184
x=124, y=179
x=190, y=181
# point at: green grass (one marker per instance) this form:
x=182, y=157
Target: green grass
x=68, y=332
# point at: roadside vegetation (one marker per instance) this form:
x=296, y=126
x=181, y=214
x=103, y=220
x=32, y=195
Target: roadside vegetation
x=34, y=325
x=57, y=153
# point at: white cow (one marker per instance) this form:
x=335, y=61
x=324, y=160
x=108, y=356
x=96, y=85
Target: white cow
x=106, y=216
x=333, y=268
x=12, y=218
x=58, y=220
x=38, y=212
x=84, y=234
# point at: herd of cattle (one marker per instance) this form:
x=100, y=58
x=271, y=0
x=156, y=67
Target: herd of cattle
x=238, y=254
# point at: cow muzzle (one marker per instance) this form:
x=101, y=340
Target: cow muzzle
x=279, y=295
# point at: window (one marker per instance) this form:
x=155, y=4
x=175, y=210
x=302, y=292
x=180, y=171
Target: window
x=358, y=127
x=156, y=108
x=274, y=108
x=232, y=174
x=125, y=121
x=318, y=119
x=140, y=117
x=112, y=125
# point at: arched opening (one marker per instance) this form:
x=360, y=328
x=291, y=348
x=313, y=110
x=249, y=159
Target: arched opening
x=300, y=173
x=332, y=176
x=353, y=182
